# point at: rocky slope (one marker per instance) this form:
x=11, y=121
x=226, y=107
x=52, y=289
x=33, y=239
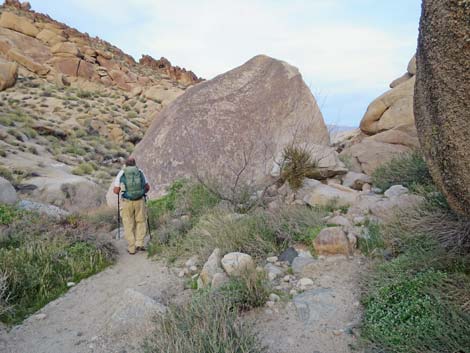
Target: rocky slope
x=72, y=106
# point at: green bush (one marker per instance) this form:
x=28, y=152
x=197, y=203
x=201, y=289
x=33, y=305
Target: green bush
x=249, y=290
x=408, y=169
x=40, y=255
x=298, y=165
x=372, y=243
x=7, y=214
x=84, y=168
x=418, y=302
x=7, y=174
x=207, y=324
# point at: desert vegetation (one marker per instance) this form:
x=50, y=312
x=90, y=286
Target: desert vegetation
x=42, y=256
x=418, y=300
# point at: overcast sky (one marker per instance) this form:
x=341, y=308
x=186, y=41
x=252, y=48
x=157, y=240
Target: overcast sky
x=348, y=51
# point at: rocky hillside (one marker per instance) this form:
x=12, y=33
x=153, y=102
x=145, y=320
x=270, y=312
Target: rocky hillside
x=71, y=106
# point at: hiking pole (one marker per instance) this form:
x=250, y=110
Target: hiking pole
x=148, y=220
x=119, y=219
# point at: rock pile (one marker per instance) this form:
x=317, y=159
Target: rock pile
x=387, y=128
x=62, y=54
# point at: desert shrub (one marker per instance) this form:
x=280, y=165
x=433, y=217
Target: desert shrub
x=84, y=94
x=30, y=132
x=7, y=174
x=8, y=214
x=40, y=255
x=6, y=121
x=251, y=234
x=297, y=165
x=84, y=168
x=3, y=153
x=249, y=290
x=408, y=169
x=4, y=307
x=420, y=300
x=207, y=324
x=33, y=150
x=132, y=115
x=371, y=243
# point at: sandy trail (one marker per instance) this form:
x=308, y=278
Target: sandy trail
x=108, y=312
x=321, y=320
x=112, y=311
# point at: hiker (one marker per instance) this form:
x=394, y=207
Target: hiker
x=131, y=185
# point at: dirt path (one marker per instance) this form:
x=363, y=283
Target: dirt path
x=321, y=320
x=106, y=313
x=111, y=311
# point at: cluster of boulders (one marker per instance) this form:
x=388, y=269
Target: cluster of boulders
x=387, y=128
x=63, y=55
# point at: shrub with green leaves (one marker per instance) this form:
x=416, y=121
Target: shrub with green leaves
x=40, y=255
x=297, y=165
x=408, y=169
x=84, y=168
x=8, y=214
x=207, y=324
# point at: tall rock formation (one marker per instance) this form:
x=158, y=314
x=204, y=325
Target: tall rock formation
x=387, y=128
x=245, y=115
x=442, y=96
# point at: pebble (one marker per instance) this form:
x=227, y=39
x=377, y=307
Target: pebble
x=274, y=297
x=270, y=304
x=182, y=273
x=272, y=259
x=40, y=316
x=337, y=332
x=193, y=269
x=305, y=283
x=293, y=292
x=70, y=284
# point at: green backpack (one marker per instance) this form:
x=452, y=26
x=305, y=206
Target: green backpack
x=133, y=181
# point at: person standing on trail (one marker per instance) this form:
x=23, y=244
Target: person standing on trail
x=131, y=186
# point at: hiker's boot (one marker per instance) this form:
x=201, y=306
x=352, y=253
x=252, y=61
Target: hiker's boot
x=140, y=248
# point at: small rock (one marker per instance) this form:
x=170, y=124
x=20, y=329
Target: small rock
x=236, y=262
x=182, y=273
x=193, y=269
x=274, y=297
x=288, y=255
x=339, y=221
x=286, y=278
x=300, y=262
x=70, y=284
x=219, y=280
x=40, y=316
x=273, y=271
x=272, y=259
x=293, y=292
x=305, y=284
x=396, y=190
x=337, y=332
x=359, y=220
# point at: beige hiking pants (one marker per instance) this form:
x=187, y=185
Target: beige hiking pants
x=134, y=219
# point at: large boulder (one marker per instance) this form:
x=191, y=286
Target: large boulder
x=391, y=109
x=8, y=74
x=210, y=269
x=7, y=192
x=237, y=121
x=18, y=23
x=387, y=128
x=235, y=263
x=442, y=96
x=333, y=240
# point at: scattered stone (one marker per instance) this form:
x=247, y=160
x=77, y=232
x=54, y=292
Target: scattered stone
x=300, y=262
x=288, y=255
x=395, y=191
x=219, y=280
x=193, y=269
x=7, y=192
x=272, y=259
x=70, y=284
x=355, y=180
x=333, y=240
x=274, y=297
x=273, y=271
x=339, y=221
x=182, y=273
x=293, y=292
x=304, y=284
x=314, y=304
x=49, y=210
x=270, y=304
x=210, y=268
x=235, y=263
x=314, y=193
